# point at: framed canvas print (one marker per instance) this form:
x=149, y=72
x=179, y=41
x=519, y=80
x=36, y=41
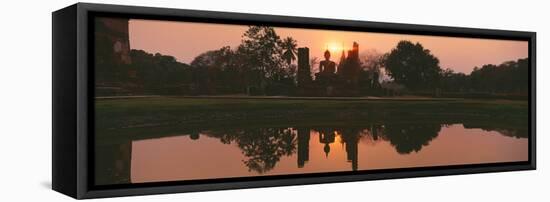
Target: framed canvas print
x=154, y=100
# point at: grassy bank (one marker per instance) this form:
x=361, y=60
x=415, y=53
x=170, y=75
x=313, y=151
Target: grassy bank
x=167, y=115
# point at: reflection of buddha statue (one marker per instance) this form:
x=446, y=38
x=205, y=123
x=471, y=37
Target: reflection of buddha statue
x=327, y=67
x=326, y=148
x=327, y=137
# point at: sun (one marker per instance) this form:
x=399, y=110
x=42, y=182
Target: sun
x=334, y=47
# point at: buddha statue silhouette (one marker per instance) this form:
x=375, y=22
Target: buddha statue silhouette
x=327, y=67
x=327, y=74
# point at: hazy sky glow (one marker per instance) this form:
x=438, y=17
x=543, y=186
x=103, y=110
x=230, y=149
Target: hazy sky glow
x=185, y=41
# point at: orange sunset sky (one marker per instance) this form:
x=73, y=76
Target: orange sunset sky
x=185, y=41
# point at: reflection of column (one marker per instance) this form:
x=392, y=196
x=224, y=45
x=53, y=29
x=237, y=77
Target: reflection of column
x=303, y=146
x=351, y=138
x=351, y=149
x=113, y=163
x=374, y=132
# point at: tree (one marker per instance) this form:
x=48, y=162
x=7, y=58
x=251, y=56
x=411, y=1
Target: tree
x=371, y=65
x=262, y=51
x=217, y=70
x=314, y=64
x=159, y=74
x=290, y=48
x=508, y=77
x=413, y=66
x=452, y=81
x=372, y=60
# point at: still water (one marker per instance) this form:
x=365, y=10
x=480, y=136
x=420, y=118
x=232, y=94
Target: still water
x=240, y=152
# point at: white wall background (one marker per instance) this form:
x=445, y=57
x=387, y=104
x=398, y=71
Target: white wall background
x=25, y=104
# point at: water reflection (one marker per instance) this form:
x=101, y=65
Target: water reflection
x=409, y=138
x=254, y=151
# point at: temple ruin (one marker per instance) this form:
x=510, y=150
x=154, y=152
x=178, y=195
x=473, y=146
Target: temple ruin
x=332, y=79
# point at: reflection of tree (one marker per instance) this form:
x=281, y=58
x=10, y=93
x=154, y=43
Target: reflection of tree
x=510, y=131
x=263, y=147
x=194, y=135
x=372, y=134
x=410, y=137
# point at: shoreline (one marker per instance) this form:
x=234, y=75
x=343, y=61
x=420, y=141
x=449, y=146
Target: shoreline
x=366, y=98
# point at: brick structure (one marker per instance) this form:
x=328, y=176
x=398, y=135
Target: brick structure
x=113, y=34
x=304, y=68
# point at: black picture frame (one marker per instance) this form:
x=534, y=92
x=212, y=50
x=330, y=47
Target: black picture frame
x=73, y=108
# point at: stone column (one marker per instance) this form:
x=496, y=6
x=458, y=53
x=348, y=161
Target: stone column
x=304, y=69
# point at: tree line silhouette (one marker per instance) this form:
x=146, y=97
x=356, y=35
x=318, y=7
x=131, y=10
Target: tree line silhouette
x=263, y=64
x=413, y=66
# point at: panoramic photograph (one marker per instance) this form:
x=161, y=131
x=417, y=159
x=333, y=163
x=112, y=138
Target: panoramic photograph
x=180, y=101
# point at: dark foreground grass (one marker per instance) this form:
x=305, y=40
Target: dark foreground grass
x=142, y=116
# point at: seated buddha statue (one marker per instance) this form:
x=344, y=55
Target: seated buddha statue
x=327, y=67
